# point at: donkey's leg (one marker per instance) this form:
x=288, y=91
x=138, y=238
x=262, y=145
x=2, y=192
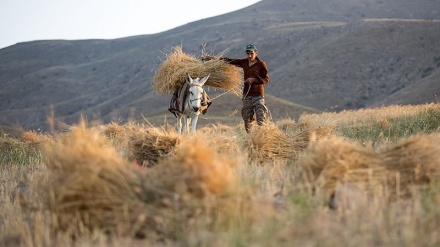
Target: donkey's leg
x=188, y=123
x=194, y=120
x=179, y=124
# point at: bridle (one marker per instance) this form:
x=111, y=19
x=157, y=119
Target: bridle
x=196, y=85
x=190, y=101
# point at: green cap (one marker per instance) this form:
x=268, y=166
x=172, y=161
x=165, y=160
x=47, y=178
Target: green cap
x=251, y=47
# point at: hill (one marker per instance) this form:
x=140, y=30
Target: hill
x=330, y=55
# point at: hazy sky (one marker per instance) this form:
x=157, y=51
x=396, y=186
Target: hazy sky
x=28, y=20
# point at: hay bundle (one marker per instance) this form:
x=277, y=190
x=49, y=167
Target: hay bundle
x=171, y=73
x=413, y=161
x=114, y=130
x=224, y=145
x=332, y=161
x=196, y=168
x=267, y=142
x=149, y=146
x=92, y=188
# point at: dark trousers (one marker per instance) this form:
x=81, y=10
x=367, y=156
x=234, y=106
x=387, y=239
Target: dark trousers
x=253, y=106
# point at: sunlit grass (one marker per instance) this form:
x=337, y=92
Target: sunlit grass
x=354, y=178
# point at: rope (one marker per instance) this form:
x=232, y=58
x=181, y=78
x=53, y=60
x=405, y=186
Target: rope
x=249, y=89
x=233, y=112
x=221, y=95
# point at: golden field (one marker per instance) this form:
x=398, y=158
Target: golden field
x=353, y=178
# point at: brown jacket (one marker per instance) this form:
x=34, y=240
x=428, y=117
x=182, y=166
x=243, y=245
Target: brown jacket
x=257, y=70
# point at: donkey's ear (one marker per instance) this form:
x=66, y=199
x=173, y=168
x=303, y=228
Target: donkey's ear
x=204, y=79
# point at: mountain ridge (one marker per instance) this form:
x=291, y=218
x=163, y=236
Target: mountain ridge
x=321, y=55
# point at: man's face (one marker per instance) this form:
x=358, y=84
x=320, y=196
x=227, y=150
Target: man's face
x=251, y=55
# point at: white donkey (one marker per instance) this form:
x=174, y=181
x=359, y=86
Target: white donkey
x=192, y=104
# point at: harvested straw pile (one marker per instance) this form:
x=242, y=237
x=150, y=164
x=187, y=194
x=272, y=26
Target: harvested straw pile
x=332, y=161
x=224, y=145
x=412, y=161
x=148, y=146
x=197, y=169
x=267, y=142
x=114, y=131
x=398, y=168
x=171, y=73
x=92, y=188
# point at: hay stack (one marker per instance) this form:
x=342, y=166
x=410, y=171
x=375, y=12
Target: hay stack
x=412, y=161
x=332, y=161
x=398, y=168
x=267, y=142
x=148, y=146
x=197, y=169
x=92, y=188
x=171, y=73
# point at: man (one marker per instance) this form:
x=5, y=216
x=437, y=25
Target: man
x=255, y=76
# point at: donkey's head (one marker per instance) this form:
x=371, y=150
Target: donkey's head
x=196, y=91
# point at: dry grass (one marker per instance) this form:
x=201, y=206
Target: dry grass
x=397, y=169
x=332, y=161
x=356, y=117
x=149, y=145
x=91, y=187
x=171, y=73
x=268, y=142
x=412, y=161
x=197, y=168
x=206, y=189
x=36, y=138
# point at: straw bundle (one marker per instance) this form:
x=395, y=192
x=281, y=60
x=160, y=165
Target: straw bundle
x=332, y=161
x=149, y=146
x=114, y=130
x=267, y=142
x=410, y=162
x=92, y=188
x=413, y=161
x=171, y=73
x=196, y=168
x=224, y=145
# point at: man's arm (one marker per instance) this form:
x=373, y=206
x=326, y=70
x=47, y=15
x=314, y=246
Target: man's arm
x=263, y=76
